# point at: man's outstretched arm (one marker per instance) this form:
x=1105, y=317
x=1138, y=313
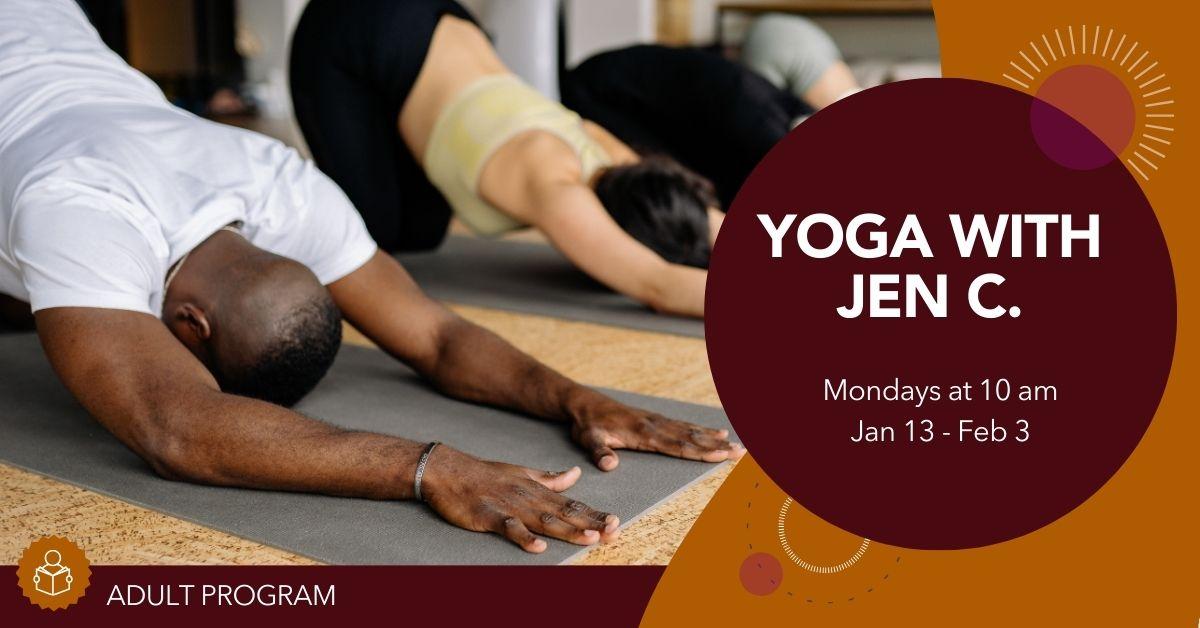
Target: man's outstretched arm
x=468, y=362
x=147, y=389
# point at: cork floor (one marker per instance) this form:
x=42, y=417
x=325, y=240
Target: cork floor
x=115, y=532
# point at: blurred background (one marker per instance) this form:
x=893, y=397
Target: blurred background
x=227, y=59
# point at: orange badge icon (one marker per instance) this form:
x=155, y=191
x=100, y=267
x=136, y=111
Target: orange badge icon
x=53, y=573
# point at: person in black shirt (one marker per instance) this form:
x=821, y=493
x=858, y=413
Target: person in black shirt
x=716, y=116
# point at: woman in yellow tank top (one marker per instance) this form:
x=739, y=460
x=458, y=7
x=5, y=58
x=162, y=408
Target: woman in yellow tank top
x=408, y=108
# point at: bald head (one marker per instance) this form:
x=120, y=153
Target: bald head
x=263, y=324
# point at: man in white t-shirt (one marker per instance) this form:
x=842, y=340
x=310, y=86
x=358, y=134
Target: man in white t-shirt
x=181, y=272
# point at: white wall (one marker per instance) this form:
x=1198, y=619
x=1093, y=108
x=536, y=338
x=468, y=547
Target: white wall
x=475, y=6
x=525, y=35
x=595, y=25
x=592, y=26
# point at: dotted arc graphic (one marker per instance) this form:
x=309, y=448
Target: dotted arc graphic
x=804, y=564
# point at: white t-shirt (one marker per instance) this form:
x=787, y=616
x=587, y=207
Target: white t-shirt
x=104, y=185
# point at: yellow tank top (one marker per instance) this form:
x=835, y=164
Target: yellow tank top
x=484, y=116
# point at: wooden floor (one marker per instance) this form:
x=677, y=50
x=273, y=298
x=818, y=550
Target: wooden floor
x=114, y=532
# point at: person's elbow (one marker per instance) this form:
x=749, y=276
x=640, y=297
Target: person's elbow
x=165, y=440
x=670, y=289
x=656, y=295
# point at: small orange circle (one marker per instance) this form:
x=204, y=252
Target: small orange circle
x=53, y=573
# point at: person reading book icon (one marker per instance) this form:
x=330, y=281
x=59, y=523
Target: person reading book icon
x=52, y=577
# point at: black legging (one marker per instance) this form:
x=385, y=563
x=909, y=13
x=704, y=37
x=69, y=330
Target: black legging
x=352, y=67
x=713, y=115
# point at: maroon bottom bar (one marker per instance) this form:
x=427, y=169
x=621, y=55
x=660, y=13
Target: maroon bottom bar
x=409, y=596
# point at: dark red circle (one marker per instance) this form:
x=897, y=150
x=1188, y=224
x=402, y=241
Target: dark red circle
x=1098, y=101
x=1101, y=330
x=761, y=574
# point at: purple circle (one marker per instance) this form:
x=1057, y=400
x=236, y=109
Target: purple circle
x=1065, y=140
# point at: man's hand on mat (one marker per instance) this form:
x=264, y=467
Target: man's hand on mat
x=622, y=427
x=515, y=502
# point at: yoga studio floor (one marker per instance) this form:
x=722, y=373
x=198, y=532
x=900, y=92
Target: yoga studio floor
x=661, y=365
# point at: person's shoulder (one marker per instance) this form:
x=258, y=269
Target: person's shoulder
x=58, y=202
x=79, y=246
x=71, y=177
x=541, y=158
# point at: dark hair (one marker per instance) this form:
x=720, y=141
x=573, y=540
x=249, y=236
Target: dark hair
x=661, y=204
x=303, y=348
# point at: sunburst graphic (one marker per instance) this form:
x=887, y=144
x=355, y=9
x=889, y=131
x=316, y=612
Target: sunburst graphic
x=1107, y=81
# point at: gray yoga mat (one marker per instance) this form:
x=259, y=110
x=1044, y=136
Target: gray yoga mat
x=531, y=278
x=44, y=430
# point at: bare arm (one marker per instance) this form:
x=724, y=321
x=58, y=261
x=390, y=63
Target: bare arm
x=145, y=388
x=471, y=363
x=535, y=178
x=460, y=358
x=142, y=385
x=577, y=224
x=716, y=218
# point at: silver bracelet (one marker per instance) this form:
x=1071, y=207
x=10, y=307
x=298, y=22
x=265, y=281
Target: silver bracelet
x=421, y=469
